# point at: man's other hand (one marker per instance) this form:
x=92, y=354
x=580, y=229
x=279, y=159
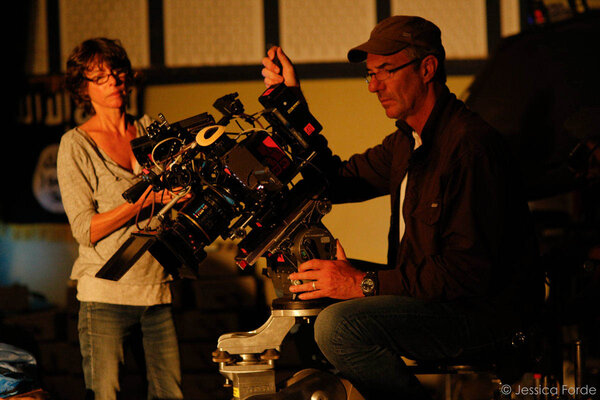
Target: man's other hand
x=336, y=279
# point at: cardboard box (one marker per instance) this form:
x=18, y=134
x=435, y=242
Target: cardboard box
x=64, y=386
x=197, y=356
x=59, y=357
x=14, y=298
x=43, y=325
x=232, y=293
x=204, y=326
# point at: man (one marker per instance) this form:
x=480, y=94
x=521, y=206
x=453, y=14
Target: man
x=462, y=251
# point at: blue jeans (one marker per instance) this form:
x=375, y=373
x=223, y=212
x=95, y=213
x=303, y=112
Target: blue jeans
x=365, y=338
x=103, y=329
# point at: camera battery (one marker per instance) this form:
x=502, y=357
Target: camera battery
x=291, y=105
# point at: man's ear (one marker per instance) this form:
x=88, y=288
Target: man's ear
x=429, y=67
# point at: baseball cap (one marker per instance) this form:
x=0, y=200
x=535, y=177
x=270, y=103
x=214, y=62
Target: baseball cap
x=395, y=33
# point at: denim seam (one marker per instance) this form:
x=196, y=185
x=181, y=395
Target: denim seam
x=343, y=324
x=88, y=317
x=150, y=371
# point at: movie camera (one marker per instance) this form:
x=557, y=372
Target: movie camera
x=262, y=186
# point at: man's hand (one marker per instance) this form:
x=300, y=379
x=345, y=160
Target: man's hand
x=275, y=74
x=336, y=279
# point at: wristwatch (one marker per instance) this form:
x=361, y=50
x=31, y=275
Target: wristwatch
x=370, y=284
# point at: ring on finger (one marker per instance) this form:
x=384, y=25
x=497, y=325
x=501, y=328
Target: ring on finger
x=314, y=285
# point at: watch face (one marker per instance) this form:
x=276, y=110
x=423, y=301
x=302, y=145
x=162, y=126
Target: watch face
x=367, y=285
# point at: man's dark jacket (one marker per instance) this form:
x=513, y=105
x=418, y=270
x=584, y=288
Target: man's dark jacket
x=469, y=236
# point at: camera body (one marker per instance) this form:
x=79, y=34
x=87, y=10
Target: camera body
x=260, y=187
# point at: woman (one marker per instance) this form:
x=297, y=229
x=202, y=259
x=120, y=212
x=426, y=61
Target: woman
x=95, y=166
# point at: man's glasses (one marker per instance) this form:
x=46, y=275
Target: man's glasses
x=119, y=76
x=384, y=74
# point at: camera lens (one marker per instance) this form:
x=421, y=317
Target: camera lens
x=207, y=216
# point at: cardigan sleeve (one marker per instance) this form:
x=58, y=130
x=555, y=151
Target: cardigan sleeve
x=76, y=181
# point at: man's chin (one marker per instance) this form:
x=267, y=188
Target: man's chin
x=388, y=107
x=391, y=113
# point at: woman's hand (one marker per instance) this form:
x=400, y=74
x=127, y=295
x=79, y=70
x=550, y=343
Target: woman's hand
x=105, y=223
x=160, y=198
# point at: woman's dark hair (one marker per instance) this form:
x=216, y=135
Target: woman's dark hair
x=87, y=55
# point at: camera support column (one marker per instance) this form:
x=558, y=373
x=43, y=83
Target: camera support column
x=247, y=359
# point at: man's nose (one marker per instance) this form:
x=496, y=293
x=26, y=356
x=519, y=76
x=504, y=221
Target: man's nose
x=375, y=85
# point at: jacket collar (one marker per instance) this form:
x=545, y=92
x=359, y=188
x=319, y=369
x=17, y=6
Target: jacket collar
x=432, y=122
